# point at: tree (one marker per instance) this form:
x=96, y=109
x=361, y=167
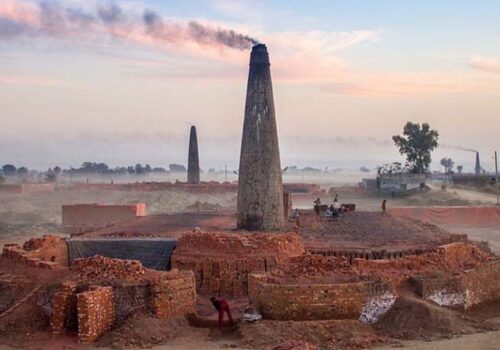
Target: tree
x=448, y=164
x=57, y=170
x=417, y=143
x=22, y=171
x=460, y=168
x=9, y=170
x=50, y=176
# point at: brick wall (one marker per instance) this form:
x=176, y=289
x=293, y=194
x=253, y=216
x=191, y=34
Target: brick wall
x=481, y=284
x=311, y=301
x=27, y=188
x=173, y=294
x=84, y=217
x=131, y=298
x=428, y=285
x=96, y=313
x=221, y=262
x=472, y=287
x=46, y=252
x=64, y=305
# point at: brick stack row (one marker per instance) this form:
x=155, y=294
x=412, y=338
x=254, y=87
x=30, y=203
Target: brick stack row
x=222, y=261
x=96, y=313
x=64, y=309
x=99, y=268
x=17, y=254
x=173, y=296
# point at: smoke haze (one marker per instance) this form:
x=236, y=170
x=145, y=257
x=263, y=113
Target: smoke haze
x=53, y=19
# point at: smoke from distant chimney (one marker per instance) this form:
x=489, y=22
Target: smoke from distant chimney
x=460, y=148
x=56, y=20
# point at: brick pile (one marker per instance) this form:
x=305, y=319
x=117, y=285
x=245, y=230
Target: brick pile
x=222, y=262
x=481, y=284
x=64, y=306
x=450, y=259
x=460, y=253
x=96, y=313
x=99, y=268
x=17, y=254
x=173, y=294
x=41, y=242
x=119, y=288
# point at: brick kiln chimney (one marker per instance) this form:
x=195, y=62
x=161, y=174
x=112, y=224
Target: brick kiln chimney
x=193, y=161
x=260, y=187
x=478, y=165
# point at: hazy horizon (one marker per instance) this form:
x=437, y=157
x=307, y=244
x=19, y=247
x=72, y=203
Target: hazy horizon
x=122, y=82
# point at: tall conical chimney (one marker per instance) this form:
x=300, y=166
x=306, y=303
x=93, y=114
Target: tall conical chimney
x=260, y=187
x=193, y=161
x=478, y=165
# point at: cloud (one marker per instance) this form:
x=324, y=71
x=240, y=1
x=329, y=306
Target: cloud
x=485, y=64
x=207, y=50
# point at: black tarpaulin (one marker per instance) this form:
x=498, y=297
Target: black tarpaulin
x=153, y=253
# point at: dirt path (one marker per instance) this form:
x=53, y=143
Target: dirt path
x=479, y=341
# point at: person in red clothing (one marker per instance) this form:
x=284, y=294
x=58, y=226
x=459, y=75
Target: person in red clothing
x=222, y=306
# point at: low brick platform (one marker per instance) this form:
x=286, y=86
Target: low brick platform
x=312, y=301
x=222, y=261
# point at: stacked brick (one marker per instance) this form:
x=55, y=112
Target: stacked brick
x=99, y=268
x=65, y=310
x=41, y=242
x=96, y=313
x=131, y=298
x=34, y=258
x=129, y=288
x=481, y=284
x=222, y=262
x=311, y=301
x=173, y=294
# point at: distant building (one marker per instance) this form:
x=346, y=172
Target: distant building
x=396, y=184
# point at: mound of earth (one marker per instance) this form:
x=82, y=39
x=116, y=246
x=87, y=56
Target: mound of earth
x=333, y=334
x=413, y=318
x=141, y=331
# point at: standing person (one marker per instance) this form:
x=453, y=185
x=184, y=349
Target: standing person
x=222, y=306
x=296, y=217
x=336, y=199
x=384, y=206
x=317, y=203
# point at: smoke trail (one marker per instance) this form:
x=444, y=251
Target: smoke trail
x=460, y=148
x=52, y=19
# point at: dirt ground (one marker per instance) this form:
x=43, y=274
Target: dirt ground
x=26, y=216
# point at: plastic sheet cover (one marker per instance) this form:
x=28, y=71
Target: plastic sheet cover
x=153, y=253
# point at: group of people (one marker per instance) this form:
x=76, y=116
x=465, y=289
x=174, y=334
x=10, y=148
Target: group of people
x=332, y=211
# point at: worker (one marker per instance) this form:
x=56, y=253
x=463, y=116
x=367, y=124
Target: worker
x=222, y=306
x=296, y=217
x=384, y=206
x=329, y=211
x=317, y=203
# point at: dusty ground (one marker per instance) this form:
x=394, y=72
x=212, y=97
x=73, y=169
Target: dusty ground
x=26, y=216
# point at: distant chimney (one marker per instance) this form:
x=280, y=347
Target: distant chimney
x=478, y=165
x=193, y=161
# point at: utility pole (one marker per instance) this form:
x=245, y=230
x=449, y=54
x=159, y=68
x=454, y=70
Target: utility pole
x=496, y=178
